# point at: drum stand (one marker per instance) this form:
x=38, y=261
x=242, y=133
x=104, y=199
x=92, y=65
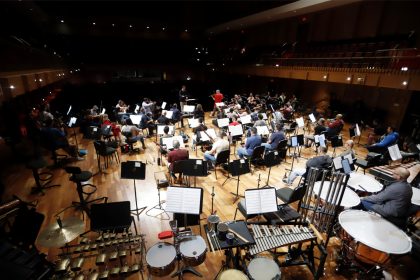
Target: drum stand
x=235, y=259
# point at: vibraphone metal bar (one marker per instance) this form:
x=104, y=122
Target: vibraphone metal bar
x=271, y=237
x=385, y=172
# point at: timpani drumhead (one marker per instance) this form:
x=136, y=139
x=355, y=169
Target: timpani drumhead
x=192, y=246
x=263, y=269
x=375, y=232
x=368, y=183
x=232, y=274
x=350, y=198
x=160, y=255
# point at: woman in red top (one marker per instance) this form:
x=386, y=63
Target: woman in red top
x=116, y=130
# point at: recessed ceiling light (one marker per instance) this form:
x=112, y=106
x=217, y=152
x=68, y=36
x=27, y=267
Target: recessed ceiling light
x=12, y=86
x=277, y=65
x=348, y=78
x=113, y=25
x=147, y=27
x=404, y=83
x=40, y=80
x=186, y=30
x=163, y=28
x=62, y=21
x=93, y=23
x=404, y=68
x=130, y=26
x=325, y=76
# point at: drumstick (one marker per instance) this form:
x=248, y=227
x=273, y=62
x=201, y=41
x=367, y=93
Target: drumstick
x=210, y=242
x=363, y=188
x=278, y=216
x=239, y=236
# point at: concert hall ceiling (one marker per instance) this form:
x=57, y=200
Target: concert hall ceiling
x=102, y=32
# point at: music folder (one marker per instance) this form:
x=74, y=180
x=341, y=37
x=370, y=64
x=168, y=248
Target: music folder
x=238, y=167
x=235, y=130
x=320, y=139
x=394, y=152
x=72, y=121
x=163, y=105
x=222, y=122
x=259, y=201
x=133, y=170
x=184, y=200
x=297, y=140
x=338, y=162
x=246, y=119
x=189, y=108
x=193, y=123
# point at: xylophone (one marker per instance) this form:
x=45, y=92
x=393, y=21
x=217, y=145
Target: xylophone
x=271, y=237
x=385, y=172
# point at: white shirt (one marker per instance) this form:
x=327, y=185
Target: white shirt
x=220, y=145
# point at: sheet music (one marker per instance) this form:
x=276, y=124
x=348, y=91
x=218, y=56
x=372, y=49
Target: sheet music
x=349, y=157
x=300, y=122
x=193, y=123
x=161, y=127
x=222, y=122
x=321, y=139
x=72, y=121
x=357, y=130
x=394, y=152
x=220, y=104
x=135, y=119
x=227, y=110
x=169, y=142
x=260, y=201
x=189, y=108
x=103, y=111
x=264, y=116
x=235, y=130
x=137, y=109
x=246, y=119
x=262, y=130
x=294, y=141
x=312, y=117
x=183, y=200
x=210, y=132
x=163, y=105
x=169, y=114
x=68, y=112
x=337, y=163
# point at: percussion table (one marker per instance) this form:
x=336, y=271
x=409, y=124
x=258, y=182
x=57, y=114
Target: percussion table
x=385, y=172
x=375, y=232
x=364, y=183
x=350, y=198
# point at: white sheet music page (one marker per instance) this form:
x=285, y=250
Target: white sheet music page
x=221, y=104
x=349, y=157
x=260, y=201
x=72, y=121
x=222, y=122
x=321, y=139
x=264, y=116
x=189, y=108
x=183, y=200
x=357, y=131
x=137, y=109
x=161, y=127
x=193, y=122
x=394, y=152
x=337, y=163
x=235, y=130
x=169, y=114
x=312, y=117
x=300, y=122
x=262, y=130
x=246, y=119
x=163, y=105
x=211, y=133
x=135, y=119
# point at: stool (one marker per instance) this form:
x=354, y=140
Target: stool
x=41, y=183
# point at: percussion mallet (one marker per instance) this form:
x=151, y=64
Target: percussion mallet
x=210, y=242
x=239, y=236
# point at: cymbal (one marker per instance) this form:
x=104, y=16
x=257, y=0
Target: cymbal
x=55, y=236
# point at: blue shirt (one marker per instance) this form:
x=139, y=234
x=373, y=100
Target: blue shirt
x=389, y=140
x=251, y=143
x=275, y=139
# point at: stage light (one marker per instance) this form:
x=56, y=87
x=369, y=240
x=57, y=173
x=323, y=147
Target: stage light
x=93, y=23
x=62, y=21
x=12, y=86
x=325, y=76
x=404, y=83
x=40, y=80
x=277, y=65
x=404, y=68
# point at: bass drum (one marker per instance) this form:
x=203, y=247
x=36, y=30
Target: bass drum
x=161, y=259
x=193, y=250
x=262, y=268
x=232, y=274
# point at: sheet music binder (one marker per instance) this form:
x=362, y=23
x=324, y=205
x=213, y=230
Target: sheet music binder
x=238, y=167
x=259, y=201
x=133, y=170
x=184, y=200
x=272, y=158
x=194, y=167
x=394, y=152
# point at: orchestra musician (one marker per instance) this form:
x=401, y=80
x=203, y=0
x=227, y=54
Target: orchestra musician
x=250, y=144
x=219, y=145
x=132, y=132
x=217, y=97
x=116, y=129
x=390, y=139
x=275, y=138
x=163, y=148
x=163, y=119
x=146, y=121
x=175, y=155
x=198, y=112
x=122, y=107
x=183, y=96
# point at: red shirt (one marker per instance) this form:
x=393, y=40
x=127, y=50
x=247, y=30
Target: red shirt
x=218, y=97
x=175, y=155
x=234, y=123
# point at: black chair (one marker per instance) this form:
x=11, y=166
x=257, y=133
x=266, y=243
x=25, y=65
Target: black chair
x=78, y=176
x=289, y=195
x=291, y=129
x=257, y=158
x=222, y=158
x=130, y=142
x=241, y=207
x=102, y=150
x=106, y=131
x=177, y=168
x=371, y=160
x=42, y=179
x=282, y=149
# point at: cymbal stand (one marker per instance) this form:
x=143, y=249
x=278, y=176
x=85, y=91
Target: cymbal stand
x=159, y=205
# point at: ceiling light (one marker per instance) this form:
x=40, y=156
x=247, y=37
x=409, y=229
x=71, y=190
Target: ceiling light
x=325, y=76
x=40, y=80
x=130, y=26
x=62, y=21
x=348, y=78
x=404, y=83
x=113, y=25
x=188, y=78
x=404, y=68
x=12, y=86
x=186, y=30
x=196, y=48
x=198, y=59
x=147, y=27
x=163, y=28
x=93, y=23
x=277, y=65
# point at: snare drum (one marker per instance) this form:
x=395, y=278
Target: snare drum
x=161, y=258
x=193, y=250
x=232, y=274
x=262, y=268
x=370, y=238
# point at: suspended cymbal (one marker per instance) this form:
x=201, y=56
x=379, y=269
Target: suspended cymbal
x=55, y=236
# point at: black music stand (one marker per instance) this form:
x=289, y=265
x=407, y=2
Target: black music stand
x=135, y=170
x=336, y=141
x=271, y=159
x=296, y=143
x=237, y=168
x=194, y=168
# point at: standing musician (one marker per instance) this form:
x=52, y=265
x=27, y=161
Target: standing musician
x=220, y=145
x=393, y=202
x=183, y=95
x=217, y=97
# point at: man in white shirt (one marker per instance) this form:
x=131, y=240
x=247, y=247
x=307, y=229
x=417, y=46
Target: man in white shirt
x=220, y=145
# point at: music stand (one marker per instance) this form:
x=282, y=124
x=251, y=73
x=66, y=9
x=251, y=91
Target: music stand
x=194, y=168
x=336, y=141
x=237, y=168
x=271, y=159
x=135, y=170
x=296, y=142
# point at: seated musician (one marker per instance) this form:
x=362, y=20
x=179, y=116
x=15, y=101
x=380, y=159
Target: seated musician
x=390, y=139
x=122, y=107
x=163, y=148
x=55, y=138
x=275, y=138
x=376, y=132
x=287, y=111
x=176, y=115
x=323, y=161
x=146, y=121
x=319, y=129
x=234, y=121
x=260, y=121
x=198, y=112
x=175, y=155
x=394, y=201
x=220, y=145
x=132, y=132
x=217, y=97
x=163, y=119
x=250, y=144
x=348, y=149
x=116, y=130
x=197, y=130
x=94, y=110
x=335, y=127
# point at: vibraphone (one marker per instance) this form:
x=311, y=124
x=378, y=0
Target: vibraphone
x=385, y=172
x=271, y=237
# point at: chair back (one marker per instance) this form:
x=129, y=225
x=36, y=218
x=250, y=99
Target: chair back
x=258, y=153
x=222, y=157
x=297, y=193
x=73, y=170
x=282, y=148
x=106, y=130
